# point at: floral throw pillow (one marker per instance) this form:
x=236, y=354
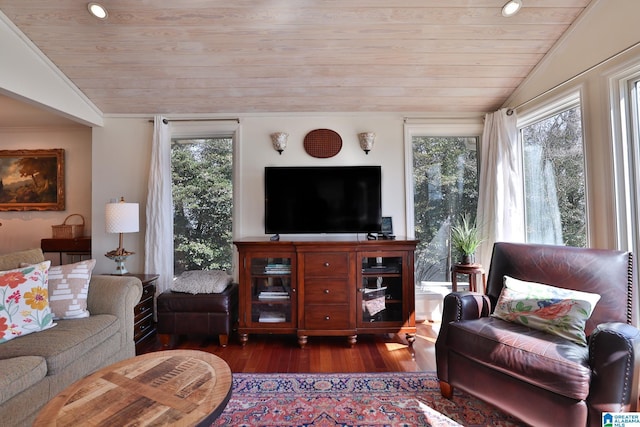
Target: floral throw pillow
x=558, y=311
x=24, y=307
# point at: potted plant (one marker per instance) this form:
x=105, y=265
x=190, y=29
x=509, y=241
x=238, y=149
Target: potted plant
x=465, y=238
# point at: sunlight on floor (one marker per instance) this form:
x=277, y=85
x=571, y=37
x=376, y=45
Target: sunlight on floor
x=394, y=346
x=435, y=418
x=424, y=345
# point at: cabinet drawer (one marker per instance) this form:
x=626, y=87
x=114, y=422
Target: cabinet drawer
x=322, y=291
x=327, y=316
x=326, y=264
x=147, y=291
x=143, y=308
x=143, y=327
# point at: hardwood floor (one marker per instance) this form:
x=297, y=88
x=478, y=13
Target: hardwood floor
x=281, y=353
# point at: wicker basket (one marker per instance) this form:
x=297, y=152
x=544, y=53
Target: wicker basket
x=68, y=231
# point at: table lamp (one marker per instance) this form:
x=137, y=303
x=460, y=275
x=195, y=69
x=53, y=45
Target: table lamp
x=121, y=217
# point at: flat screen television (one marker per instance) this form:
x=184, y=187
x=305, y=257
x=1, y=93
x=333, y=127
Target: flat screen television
x=329, y=199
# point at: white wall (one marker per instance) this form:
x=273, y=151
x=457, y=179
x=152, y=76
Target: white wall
x=121, y=153
x=256, y=152
x=24, y=230
x=604, y=29
x=29, y=75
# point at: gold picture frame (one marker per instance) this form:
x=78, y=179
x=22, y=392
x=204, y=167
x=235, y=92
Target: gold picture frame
x=32, y=180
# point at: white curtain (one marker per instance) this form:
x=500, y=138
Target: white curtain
x=543, y=210
x=159, y=234
x=500, y=194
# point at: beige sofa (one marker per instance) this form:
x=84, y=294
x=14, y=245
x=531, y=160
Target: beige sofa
x=36, y=367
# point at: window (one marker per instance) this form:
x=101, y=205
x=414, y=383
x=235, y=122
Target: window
x=554, y=177
x=202, y=203
x=445, y=186
x=627, y=145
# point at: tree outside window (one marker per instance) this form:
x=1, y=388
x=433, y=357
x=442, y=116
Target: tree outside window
x=202, y=203
x=445, y=174
x=554, y=176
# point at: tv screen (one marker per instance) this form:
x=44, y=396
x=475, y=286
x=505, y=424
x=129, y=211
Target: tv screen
x=336, y=199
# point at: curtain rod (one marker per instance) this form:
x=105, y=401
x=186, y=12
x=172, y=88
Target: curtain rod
x=570, y=79
x=166, y=121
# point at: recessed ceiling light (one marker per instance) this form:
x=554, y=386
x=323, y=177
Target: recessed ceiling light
x=97, y=10
x=511, y=7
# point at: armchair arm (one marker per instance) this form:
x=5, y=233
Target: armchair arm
x=457, y=306
x=116, y=295
x=614, y=358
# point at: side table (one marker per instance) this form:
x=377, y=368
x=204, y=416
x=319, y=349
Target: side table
x=144, y=327
x=75, y=248
x=472, y=270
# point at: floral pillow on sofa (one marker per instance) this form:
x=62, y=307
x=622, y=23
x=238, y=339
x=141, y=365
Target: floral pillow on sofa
x=558, y=311
x=24, y=307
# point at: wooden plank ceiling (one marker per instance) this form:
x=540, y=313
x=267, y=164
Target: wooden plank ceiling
x=254, y=56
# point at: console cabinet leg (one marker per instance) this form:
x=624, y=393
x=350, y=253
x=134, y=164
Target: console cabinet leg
x=243, y=339
x=302, y=340
x=411, y=338
x=352, y=339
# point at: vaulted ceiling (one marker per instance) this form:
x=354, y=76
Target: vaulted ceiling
x=254, y=56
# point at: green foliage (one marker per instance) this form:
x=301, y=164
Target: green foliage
x=465, y=236
x=445, y=173
x=203, y=202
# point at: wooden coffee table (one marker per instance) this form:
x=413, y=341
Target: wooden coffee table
x=173, y=387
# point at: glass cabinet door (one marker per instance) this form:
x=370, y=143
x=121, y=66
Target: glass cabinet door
x=271, y=297
x=381, y=298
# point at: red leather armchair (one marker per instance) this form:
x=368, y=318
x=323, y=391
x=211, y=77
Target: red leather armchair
x=537, y=377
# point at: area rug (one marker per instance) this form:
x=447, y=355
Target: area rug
x=372, y=399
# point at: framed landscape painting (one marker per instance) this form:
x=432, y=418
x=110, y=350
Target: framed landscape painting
x=32, y=180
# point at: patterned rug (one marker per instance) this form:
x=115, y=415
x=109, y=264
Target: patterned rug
x=377, y=399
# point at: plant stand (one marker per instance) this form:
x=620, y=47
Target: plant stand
x=472, y=270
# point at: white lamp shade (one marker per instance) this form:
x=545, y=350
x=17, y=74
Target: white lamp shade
x=122, y=218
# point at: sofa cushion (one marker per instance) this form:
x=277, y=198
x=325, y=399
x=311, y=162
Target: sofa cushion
x=13, y=260
x=68, y=341
x=68, y=289
x=24, y=301
x=20, y=373
x=558, y=311
x=544, y=360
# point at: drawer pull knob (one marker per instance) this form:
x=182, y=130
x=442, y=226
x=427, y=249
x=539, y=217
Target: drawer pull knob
x=326, y=317
x=326, y=264
x=326, y=291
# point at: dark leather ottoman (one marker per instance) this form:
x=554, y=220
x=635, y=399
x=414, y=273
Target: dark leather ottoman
x=197, y=314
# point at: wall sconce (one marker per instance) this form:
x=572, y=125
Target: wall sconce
x=121, y=217
x=279, y=141
x=366, y=141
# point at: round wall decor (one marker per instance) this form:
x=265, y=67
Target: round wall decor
x=322, y=143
